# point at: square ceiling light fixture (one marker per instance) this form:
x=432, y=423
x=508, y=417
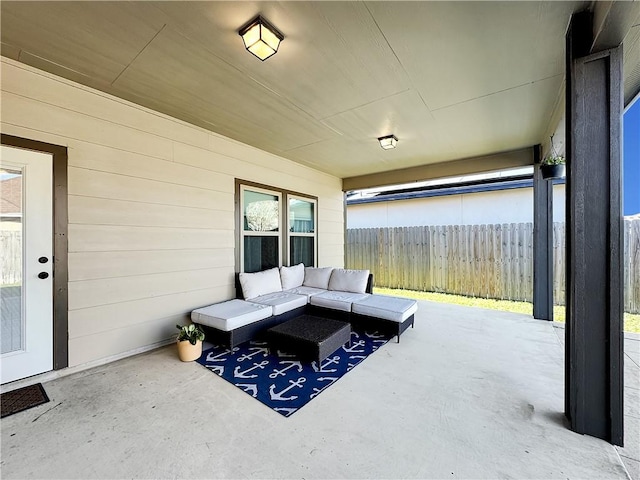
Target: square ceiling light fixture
x=388, y=142
x=261, y=38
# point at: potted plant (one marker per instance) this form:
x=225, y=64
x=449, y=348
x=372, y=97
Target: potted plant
x=553, y=166
x=190, y=342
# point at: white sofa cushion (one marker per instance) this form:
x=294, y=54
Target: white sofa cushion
x=230, y=314
x=281, y=302
x=337, y=300
x=292, y=277
x=349, y=280
x=396, y=309
x=260, y=283
x=308, y=291
x=317, y=277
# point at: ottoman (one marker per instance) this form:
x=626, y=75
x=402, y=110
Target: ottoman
x=310, y=337
x=232, y=322
x=394, y=314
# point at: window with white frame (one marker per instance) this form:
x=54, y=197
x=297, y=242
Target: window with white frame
x=261, y=233
x=277, y=228
x=302, y=231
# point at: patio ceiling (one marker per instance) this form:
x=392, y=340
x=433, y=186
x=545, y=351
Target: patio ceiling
x=451, y=80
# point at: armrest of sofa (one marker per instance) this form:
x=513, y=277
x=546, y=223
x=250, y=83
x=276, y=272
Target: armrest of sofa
x=369, y=284
x=239, y=293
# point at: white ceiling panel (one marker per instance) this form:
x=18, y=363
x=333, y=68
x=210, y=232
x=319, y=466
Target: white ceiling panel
x=333, y=58
x=98, y=42
x=504, y=121
x=457, y=51
x=186, y=77
x=450, y=79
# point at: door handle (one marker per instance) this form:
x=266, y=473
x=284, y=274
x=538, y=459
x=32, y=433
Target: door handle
x=43, y=260
x=43, y=275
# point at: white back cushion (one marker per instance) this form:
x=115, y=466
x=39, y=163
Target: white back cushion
x=349, y=280
x=292, y=277
x=260, y=283
x=317, y=277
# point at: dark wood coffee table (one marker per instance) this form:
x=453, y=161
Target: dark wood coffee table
x=310, y=337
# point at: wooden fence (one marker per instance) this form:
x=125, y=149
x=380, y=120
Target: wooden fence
x=491, y=261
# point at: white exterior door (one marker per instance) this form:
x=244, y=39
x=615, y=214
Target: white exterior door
x=26, y=263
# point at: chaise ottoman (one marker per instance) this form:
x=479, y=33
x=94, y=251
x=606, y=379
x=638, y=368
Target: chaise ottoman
x=232, y=322
x=392, y=314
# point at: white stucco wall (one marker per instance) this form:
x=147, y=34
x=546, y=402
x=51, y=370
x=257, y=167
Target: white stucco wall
x=151, y=209
x=501, y=206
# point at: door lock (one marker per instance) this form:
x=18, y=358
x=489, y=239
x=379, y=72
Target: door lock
x=43, y=260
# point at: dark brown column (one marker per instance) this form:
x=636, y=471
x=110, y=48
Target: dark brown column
x=594, y=342
x=542, y=242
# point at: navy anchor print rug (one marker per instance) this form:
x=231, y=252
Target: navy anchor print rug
x=282, y=381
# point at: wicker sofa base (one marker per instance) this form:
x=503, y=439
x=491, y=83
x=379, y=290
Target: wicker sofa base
x=243, y=334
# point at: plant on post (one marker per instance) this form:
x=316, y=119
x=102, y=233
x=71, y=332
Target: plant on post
x=553, y=165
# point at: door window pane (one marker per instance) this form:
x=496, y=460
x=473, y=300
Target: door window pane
x=302, y=251
x=261, y=212
x=301, y=216
x=11, y=259
x=260, y=253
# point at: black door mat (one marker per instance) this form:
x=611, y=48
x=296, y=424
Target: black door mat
x=22, y=399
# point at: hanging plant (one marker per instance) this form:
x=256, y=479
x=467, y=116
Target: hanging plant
x=553, y=166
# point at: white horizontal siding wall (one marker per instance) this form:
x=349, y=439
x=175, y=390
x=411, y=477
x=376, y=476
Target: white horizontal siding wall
x=151, y=209
x=481, y=208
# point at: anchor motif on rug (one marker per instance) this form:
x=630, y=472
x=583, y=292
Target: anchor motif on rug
x=316, y=391
x=353, y=347
x=281, y=380
x=355, y=357
x=221, y=357
x=279, y=395
x=375, y=335
x=282, y=354
x=277, y=373
x=239, y=374
x=256, y=351
x=285, y=411
x=330, y=361
x=217, y=369
x=250, y=388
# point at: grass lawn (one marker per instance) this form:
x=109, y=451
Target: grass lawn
x=631, y=321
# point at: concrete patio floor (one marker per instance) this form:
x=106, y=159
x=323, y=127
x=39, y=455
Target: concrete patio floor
x=468, y=393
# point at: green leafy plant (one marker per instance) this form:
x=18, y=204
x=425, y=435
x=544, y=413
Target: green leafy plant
x=190, y=332
x=554, y=158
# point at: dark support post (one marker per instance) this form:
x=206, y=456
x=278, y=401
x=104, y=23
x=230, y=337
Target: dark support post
x=542, y=241
x=594, y=342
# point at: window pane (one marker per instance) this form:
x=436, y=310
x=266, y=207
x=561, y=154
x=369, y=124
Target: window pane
x=302, y=251
x=261, y=212
x=11, y=260
x=260, y=253
x=301, y=218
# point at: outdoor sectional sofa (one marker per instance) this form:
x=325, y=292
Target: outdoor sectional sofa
x=270, y=297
